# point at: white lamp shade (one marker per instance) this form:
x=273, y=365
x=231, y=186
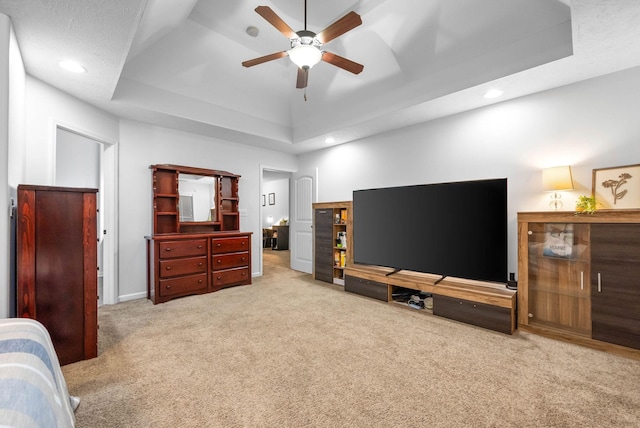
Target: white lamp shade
x=305, y=55
x=557, y=179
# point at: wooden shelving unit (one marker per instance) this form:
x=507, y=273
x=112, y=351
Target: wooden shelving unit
x=333, y=234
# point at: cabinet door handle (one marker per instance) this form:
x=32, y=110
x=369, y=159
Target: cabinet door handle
x=599, y=283
x=581, y=280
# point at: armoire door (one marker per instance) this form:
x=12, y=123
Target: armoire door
x=615, y=283
x=323, y=230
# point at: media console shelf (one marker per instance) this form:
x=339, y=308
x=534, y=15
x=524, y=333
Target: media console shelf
x=483, y=304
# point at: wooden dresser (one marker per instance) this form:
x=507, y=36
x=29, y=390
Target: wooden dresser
x=57, y=266
x=196, y=246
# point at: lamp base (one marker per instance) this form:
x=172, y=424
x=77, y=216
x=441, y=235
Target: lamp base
x=555, y=203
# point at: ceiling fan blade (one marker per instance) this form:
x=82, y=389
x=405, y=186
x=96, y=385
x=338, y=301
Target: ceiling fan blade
x=343, y=63
x=270, y=57
x=303, y=77
x=348, y=22
x=267, y=13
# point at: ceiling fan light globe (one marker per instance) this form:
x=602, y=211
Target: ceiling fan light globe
x=305, y=55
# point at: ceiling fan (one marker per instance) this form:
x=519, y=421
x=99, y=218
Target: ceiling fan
x=306, y=45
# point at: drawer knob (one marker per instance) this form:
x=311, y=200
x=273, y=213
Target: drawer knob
x=460, y=302
x=219, y=244
x=242, y=243
x=218, y=277
x=168, y=287
x=242, y=259
x=199, y=281
x=199, y=246
x=244, y=274
x=168, y=249
x=200, y=264
x=168, y=268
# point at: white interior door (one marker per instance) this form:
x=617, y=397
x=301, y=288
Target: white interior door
x=301, y=232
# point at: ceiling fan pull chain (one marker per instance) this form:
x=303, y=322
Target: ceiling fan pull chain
x=305, y=94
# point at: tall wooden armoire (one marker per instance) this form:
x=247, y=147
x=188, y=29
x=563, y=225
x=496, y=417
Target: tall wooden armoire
x=57, y=266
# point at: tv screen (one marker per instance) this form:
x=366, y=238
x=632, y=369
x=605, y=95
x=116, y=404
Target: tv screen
x=449, y=229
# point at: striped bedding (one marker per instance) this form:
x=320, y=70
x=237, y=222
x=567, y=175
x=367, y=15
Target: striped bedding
x=33, y=392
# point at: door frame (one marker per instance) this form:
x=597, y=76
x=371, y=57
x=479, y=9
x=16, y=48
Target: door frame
x=109, y=184
x=264, y=168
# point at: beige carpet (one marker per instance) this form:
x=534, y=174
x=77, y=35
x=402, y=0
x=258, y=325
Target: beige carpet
x=291, y=352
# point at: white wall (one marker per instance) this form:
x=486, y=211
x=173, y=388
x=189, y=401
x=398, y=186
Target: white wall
x=593, y=124
x=12, y=124
x=48, y=107
x=280, y=189
x=143, y=145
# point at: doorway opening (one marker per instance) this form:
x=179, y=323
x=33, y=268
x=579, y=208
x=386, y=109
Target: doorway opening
x=83, y=160
x=274, y=218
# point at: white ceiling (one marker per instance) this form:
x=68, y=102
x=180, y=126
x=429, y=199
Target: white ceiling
x=177, y=63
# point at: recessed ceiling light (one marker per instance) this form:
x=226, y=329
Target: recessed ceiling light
x=493, y=93
x=72, y=66
x=252, y=31
x=330, y=140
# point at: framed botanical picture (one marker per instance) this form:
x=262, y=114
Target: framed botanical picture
x=617, y=188
x=263, y=201
x=272, y=198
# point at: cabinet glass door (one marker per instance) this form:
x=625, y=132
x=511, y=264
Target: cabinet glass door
x=559, y=287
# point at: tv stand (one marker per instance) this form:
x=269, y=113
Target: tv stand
x=484, y=304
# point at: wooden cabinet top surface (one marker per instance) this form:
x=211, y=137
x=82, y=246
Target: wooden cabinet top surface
x=603, y=216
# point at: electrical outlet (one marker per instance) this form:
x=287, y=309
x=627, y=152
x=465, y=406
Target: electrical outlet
x=242, y=212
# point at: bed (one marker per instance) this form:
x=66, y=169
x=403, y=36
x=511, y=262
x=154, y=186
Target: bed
x=33, y=391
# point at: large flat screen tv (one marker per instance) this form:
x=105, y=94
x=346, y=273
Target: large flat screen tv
x=448, y=229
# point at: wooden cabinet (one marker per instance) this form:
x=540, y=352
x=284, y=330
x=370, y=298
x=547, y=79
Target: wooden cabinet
x=186, y=264
x=332, y=240
x=579, y=277
x=280, y=238
x=196, y=246
x=57, y=266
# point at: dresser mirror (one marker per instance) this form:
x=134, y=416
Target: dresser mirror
x=197, y=200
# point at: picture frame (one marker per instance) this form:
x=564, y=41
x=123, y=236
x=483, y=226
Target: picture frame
x=263, y=201
x=617, y=188
x=272, y=198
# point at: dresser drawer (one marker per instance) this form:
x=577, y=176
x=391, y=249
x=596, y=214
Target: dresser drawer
x=229, y=245
x=226, y=261
x=236, y=276
x=183, y=285
x=480, y=314
x=176, y=267
x=171, y=249
x=365, y=287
